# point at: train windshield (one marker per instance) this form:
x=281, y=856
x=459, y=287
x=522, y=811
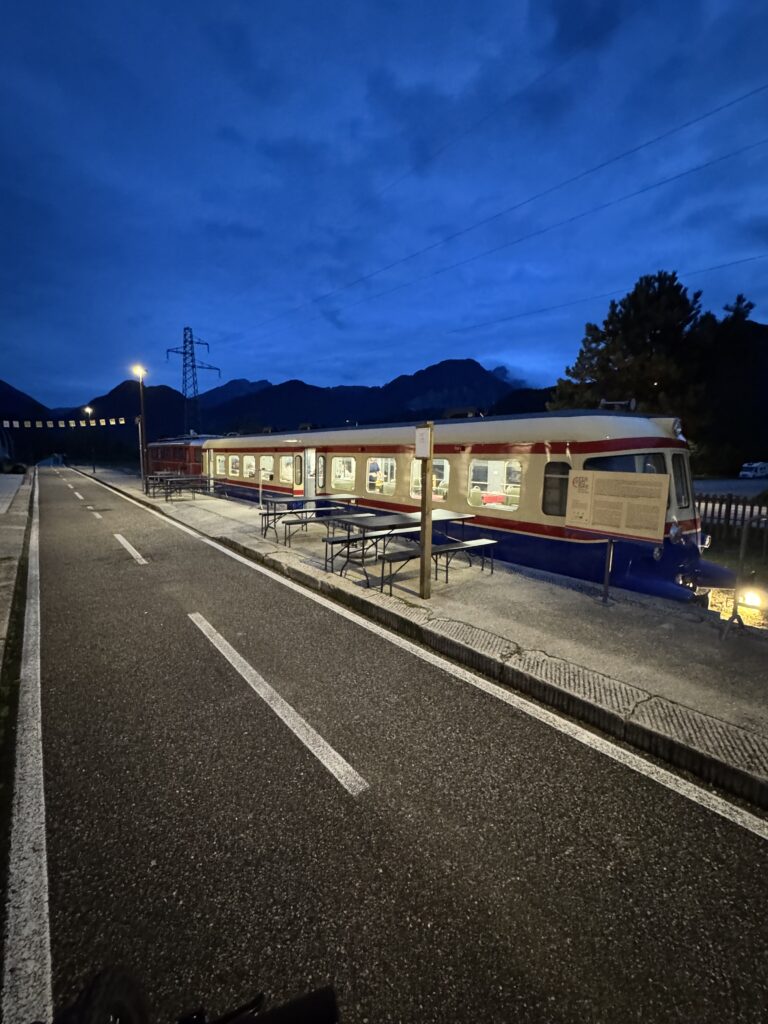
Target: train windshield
x=640, y=462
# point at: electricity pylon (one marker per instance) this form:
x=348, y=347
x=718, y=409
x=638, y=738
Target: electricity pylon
x=189, y=378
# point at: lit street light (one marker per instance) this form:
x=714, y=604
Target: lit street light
x=141, y=373
x=89, y=413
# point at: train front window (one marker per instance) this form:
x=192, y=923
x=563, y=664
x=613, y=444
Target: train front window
x=495, y=482
x=249, y=466
x=680, y=474
x=554, y=497
x=342, y=472
x=640, y=462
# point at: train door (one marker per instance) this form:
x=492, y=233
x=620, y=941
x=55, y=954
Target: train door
x=310, y=490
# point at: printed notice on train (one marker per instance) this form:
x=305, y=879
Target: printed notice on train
x=618, y=504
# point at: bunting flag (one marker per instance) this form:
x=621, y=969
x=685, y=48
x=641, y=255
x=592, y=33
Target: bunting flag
x=115, y=421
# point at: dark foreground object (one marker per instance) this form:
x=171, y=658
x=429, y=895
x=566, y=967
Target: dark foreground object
x=114, y=997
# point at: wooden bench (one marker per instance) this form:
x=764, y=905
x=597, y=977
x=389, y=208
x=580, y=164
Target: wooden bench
x=364, y=541
x=447, y=551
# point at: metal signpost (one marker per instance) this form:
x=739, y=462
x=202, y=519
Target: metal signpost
x=424, y=452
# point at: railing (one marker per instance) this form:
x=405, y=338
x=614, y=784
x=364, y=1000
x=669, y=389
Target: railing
x=723, y=515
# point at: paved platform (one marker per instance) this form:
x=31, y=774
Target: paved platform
x=652, y=673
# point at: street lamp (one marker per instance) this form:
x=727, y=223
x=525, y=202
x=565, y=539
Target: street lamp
x=89, y=413
x=141, y=373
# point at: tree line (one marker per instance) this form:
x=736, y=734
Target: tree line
x=657, y=350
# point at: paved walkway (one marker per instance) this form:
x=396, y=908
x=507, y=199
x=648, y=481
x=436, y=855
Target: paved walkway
x=655, y=674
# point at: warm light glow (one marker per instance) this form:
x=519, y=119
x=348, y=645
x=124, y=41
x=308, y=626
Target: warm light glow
x=88, y=410
x=752, y=599
x=139, y=371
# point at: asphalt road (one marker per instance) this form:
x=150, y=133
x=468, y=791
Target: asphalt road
x=492, y=870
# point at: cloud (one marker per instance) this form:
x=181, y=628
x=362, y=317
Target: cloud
x=231, y=43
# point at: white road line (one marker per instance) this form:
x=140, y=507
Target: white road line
x=71, y=487
x=709, y=801
x=130, y=549
x=313, y=741
x=78, y=495
x=27, y=992
x=98, y=515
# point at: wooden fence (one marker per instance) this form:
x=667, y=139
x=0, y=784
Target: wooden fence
x=723, y=516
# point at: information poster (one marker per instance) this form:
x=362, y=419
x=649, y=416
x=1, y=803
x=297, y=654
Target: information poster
x=628, y=505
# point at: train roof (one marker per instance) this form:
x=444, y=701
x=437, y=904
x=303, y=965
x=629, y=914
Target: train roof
x=190, y=440
x=566, y=425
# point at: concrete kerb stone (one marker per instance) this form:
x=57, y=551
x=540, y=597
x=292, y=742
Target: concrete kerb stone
x=610, y=705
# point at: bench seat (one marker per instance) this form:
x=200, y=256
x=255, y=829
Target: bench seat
x=446, y=551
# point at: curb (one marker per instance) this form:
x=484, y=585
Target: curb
x=748, y=781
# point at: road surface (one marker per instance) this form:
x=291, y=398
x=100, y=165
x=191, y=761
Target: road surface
x=248, y=789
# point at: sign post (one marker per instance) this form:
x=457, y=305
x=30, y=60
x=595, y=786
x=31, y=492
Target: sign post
x=618, y=506
x=424, y=437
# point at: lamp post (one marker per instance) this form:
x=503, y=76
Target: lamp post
x=89, y=413
x=141, y=373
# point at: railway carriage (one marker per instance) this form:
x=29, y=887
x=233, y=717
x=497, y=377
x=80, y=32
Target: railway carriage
x=180, y=455
x=511, y=472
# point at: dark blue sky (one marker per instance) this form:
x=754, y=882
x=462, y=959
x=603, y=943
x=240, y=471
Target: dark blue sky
x=221, y=164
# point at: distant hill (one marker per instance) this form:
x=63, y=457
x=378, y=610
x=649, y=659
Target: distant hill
x=451, y=387
x=15, y=405
x=226, y=392
x=432, y=392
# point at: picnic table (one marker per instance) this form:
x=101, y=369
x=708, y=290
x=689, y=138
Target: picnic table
x=276, y=507
x=364, y=535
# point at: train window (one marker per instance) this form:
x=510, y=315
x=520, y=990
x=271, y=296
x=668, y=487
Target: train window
x=380, y=475
x=495, y=482
x=286, y=469
x=249, y=466
x=441, y=472
x=267, y=465
x=342, y=472
x=680, y=473
x=234, y=465
x=321, y=472
x=297, y=470
x=221, y=465
x=554, y=497
x=641, y=462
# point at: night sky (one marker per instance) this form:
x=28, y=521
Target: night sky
x=239, y=167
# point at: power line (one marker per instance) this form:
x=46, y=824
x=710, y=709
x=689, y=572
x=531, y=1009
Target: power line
x=480, y=121
x=551, y=227
x=518, y=205
x=600, y=295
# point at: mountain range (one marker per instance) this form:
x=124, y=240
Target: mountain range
x=454, y=387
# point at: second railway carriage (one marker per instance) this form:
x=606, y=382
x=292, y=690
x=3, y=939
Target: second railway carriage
x=511, y=472
x=180, y=455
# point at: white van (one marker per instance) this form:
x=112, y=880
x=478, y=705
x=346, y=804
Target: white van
x=750, y=470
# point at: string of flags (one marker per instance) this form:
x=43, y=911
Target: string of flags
x=113, y=421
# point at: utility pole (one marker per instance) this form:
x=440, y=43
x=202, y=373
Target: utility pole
x=190, y=366
x=424, y=438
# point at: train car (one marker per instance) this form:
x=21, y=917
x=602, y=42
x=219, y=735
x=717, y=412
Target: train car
x=511, y=472
x=182, y=456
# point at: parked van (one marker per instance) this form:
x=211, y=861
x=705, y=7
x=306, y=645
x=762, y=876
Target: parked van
x=750, y=470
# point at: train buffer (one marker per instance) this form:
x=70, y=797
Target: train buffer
x=481, y=545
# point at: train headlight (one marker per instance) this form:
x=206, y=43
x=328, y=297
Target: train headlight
x=658, y=551
x=752, y=598
x=676, y=533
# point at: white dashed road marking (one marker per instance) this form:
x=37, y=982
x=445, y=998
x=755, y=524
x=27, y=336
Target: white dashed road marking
x=313, y=741
x=130, y=549
x=78, y=495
